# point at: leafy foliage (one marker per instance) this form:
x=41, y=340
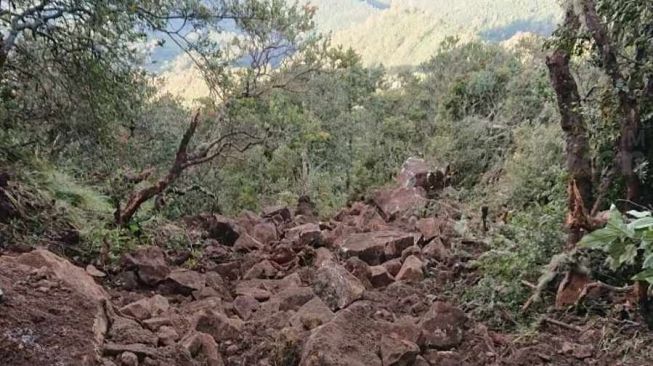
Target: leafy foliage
x=627, y=241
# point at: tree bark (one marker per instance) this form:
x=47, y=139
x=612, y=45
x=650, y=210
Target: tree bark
x=136, y=199
x=577, y=149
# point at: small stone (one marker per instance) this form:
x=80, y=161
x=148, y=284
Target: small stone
x=128, y=359
x=379, y=276
x=167, y=335
x=94, y=272
x=411, y=270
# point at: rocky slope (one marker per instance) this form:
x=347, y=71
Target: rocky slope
x=280, y=288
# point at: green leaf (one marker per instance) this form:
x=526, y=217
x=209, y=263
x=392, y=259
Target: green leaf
x=642, y=223
x=648, y=261
x=629, y=255
x=646, y=275
x=639, y=214
x=600, y=239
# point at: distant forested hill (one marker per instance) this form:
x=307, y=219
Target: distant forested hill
x=407, y=32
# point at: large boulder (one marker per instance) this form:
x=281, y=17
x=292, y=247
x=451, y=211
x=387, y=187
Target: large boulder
x=400, y=202
x=149, y=263
x=75, y=277
x=336, y=286
x=376, y=247
x=354, y=338
x=416, y=172
x=442, y=327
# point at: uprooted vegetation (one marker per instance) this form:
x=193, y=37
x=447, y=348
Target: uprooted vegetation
x=324, y=211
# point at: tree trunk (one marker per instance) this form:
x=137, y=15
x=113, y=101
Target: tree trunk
x=577, y=145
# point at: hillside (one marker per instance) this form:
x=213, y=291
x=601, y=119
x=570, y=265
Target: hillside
x=408, y=32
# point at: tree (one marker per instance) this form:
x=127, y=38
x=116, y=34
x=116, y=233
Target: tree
x=272, y=48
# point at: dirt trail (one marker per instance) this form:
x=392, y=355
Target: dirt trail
x=281, y=288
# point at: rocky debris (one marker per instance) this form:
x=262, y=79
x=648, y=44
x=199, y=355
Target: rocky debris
x=128, y=359
x=400, y=202
x=149, y=264
x=265, y=232
x=246, y=243
x=375, y=247
x=182, y=282
x=128, y=331
x=411, y=270
x=203, y=346
x=311, y=315
x=360, y=270
x=436, y=250
x=277, y=211
x=218, y=325
x=167, y=335
x=146, y=308
x=393, y=266
x=292, y=298
x=336, y=286
x=94, y=272
x=354, y=338
x=245, y=306
x=64, y=271
x=442, y=327
x=306, y=207
x=416, y=172
x=429, y=227
x=263, y=269
x=380, y=277
x=306, y=234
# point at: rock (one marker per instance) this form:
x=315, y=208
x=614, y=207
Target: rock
x=128, y=359
x=94, y=272
x=247, y=220
x=246, y=243
x=393, y=266
x=416, y=172
x=203, y=346
x=127, y=280
x=375, y=247
x=400, y=202
x=412, y=250
x=311, y=315
x=260, y=294
x=149, y=264
x=245, y=306
x=354, y=338
x=167, y=335
x=183, y=282
x=74, y=277
x=128, y=331
x=411, y=270
x=265, y=232
x=228, y=270
x=380, y=277
x=2, y=296
x=306, y=207
x=218, y=325
x=429, y=228
x=307, y=234
x=222, y=229
x=442, y=327
x=436, y=250
x=141, y=350
x=398, y=352
x=293, y=298
x=263, y=269
x=579, y=351
x=322, y=255
x=360, y=270
x=273, y=211
x=446, y=358
x=146, y=308
x=336, y=286
x=157, y=322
